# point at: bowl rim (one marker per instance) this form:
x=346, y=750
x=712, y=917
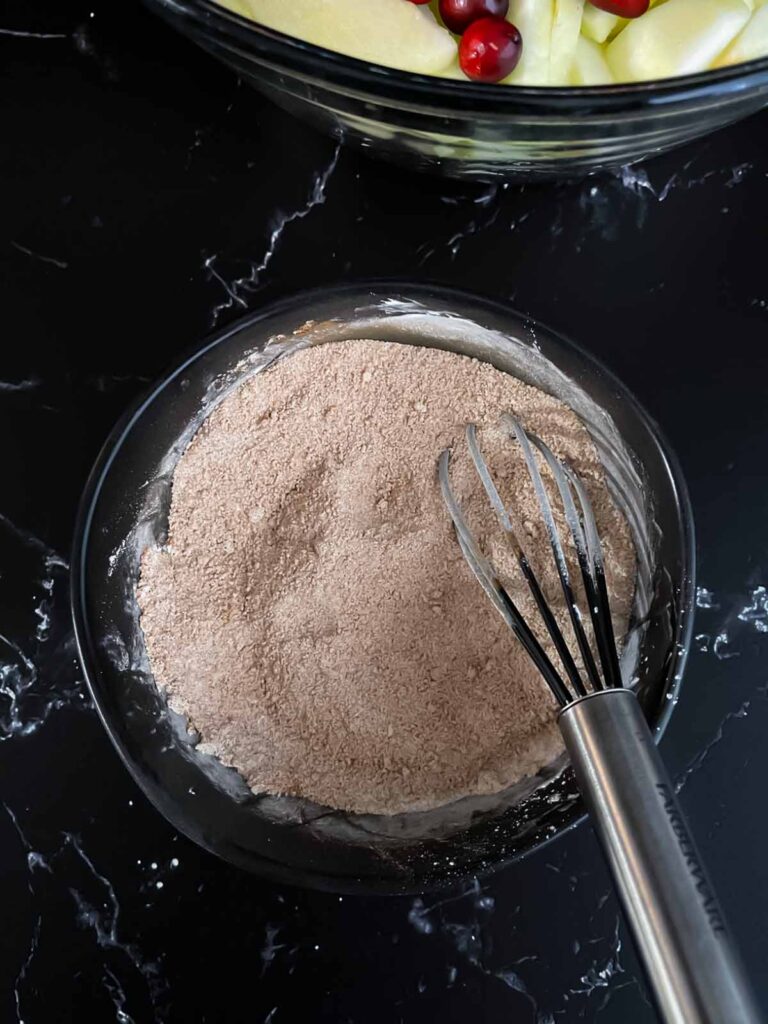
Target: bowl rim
x=369, y=291
x=306, y=59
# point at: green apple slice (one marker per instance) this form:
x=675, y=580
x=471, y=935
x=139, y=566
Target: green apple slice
x=752, y=41
x=679, y=37
x=533, y=19
x=589, y=65
x=237, y=7
x=566, y=25
x=395, y=33
x=599, y=25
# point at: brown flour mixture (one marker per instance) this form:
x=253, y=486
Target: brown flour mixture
x=312, y=614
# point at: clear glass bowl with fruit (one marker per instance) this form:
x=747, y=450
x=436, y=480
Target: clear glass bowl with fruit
x=497, y=88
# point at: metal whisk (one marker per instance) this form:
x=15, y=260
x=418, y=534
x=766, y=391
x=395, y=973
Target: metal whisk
x=667, y=900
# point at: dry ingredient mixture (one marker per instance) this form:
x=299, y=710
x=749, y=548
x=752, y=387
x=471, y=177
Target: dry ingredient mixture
x=312, y=614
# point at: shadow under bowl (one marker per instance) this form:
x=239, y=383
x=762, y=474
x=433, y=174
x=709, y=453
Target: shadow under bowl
x=125, y=509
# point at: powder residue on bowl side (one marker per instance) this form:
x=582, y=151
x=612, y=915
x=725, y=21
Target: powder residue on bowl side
x=312, y=614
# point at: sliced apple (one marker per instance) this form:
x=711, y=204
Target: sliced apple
x=454, y=71
x=395, y=33
x=589, y=65
x=679, y=37
x=751, y=42
x=566, y=25
x=237, y=7
x=533, y=18
x=599, y=25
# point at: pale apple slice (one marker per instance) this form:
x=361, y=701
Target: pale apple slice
x=237, y=7
x=679, y=37
x=454, y=71
x=533, y=19
x=602, y=26
x=589, y=65
x=752, y=41
x=599, y=25
x=566, y=24
x=395, y=33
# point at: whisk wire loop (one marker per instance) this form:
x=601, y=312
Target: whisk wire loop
x=495, y=590
x=582, y=526
x=525, y=567
x=597, y=596
x=573, y=519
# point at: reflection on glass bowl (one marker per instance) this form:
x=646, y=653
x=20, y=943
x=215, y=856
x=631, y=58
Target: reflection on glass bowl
x=125, y=509
x=468, y=129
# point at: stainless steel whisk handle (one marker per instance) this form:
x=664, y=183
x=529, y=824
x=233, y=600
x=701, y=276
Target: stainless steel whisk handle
x=667, y=899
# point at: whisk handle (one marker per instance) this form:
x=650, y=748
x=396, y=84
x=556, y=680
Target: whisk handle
x=666, y=896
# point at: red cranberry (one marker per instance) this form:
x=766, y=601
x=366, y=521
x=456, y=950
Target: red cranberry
x=419, y=1
x=458, y=15
x=624, y=8
x=490, y=49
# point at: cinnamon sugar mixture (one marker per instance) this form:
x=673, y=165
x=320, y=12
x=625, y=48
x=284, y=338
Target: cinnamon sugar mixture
x=312, y=614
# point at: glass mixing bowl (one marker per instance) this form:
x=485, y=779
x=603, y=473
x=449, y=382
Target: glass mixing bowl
x=125, y=509
x=466, y=129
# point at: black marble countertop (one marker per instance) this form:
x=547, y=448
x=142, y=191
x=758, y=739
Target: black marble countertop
x=147, y=197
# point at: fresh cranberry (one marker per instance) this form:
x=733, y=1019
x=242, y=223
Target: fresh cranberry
x=490, y=49
x=419, y=1
x=458, y=15
x=624, y=8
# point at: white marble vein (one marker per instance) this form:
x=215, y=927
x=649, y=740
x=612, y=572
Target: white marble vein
x=29, y=538
x=738, y=174
x=598, y=199
x=34, y=683
x=601, y=975
x=271, y=948
x=29, y=384
x=488, y=201
x=470, y=938
x=237, y=290
x=21, y=977
x=199, y=134
x=741, y=712
x=18, y=33
x=118, y=996
x=233, y=297
x=27, y=699
x=101, y=916
x=97, y=911
x=103, y=920
x=35, y=861
x=53, y=260
x=636, y=180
